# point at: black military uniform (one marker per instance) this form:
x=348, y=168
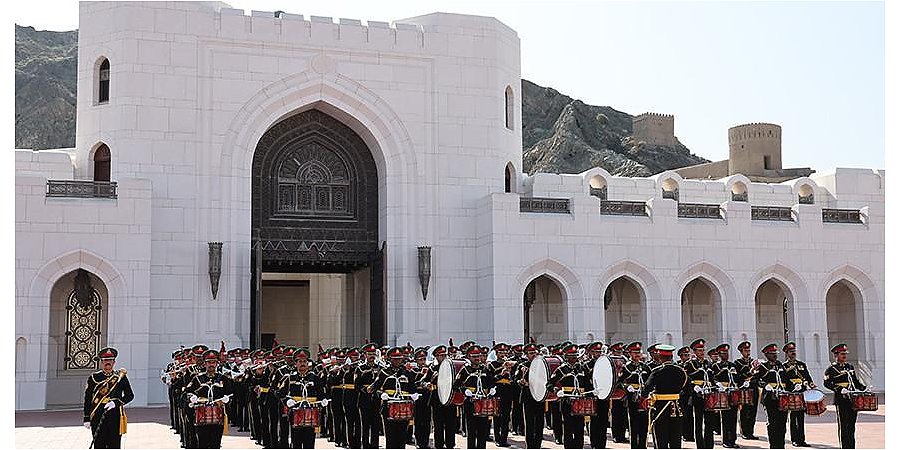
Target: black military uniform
x=209, y=387
x=502, y=369
x=105, y=396
x=664, y=385
x=259, y=385
x=685, y=400
x=700, y=373
x=725, y=374
x=364, y=378
x=573, y=379
x=444, y=415
x=744, y=368
x=533, y=410
x=516, y=416
x=425, y=388
x=599, y=422
x=799, y=375
x=336, y=385
x=395, y=382
x=634, y=374
x=302, y=388
x=618, y=408
x=770, y=376
x=841, y=377
x=476, y=381
x=351, y=400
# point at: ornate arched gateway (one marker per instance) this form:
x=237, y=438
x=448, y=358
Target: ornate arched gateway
x=315, y=221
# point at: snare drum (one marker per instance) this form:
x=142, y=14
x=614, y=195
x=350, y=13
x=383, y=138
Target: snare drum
x=209, y=415
x=304, y=417
x=864, y=401
x=584, y=407
x=446, y=374
x=540, y=370
x=716, y=401
x=815, y=402
x=618, y=394
x=790, y=401
x=744, y=396
x=487, y=406
x=400, y=410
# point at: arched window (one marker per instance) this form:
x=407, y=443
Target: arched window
x=510, y=108
x=101, y=163
x=83, y=308
x=805, y=195
x=509, y=178
x=103, y=77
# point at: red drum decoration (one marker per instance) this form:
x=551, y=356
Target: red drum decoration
x=618, y=394
x=789, y=401
x=744, y=396
x=864, y=401
x=487, y=406
x=716, y=401
x=399, y=410
x=584, y=407
x=209, y=415
x=305, y=417
x=457, y=399
x=643, y=403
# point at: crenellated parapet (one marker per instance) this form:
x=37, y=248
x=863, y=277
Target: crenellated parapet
x=654, y=128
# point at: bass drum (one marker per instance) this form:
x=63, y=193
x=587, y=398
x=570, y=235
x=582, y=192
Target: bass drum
x=446, y=374
x=604, y=377
x=540, y=370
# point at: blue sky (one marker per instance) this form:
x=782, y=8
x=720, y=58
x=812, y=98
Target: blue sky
x=815, y=68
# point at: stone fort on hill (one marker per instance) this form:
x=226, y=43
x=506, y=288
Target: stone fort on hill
x=252, y=176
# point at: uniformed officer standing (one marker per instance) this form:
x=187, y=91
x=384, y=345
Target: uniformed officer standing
x=841, y=378
x=744, y=366
x=770, y=376
x=699, y=372
x=799, y=374
x=516, y=416
x=600, y=421
x=444, y=415
x=533, y=410
x=725, y=374
x=634, y=374
x=335, y=383
x=364, y=379
x=685, y=401
x=259, y=392
x=476, y=381
x=351, y=400
x=618, y=408
x=425, y=387
x=105, y=396
x=664, y=385
x=395, y=382
x=574, y=381
x=502, y=369
x=302, y=388
x=209, y=388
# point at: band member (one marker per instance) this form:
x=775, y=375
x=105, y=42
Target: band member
x=516, y=415
x=502, y=370
x=573, y=380
x=302, y=389
x=259, y=387
x=686, y=400
x=770, y=375
x=744, y=367
x=533, y=411
x=599, y=422
x=699, y=371
x=209, y=389
x=105, y=396
x=364, y=379
x=841, y=378
x=444, y=415
x=351, y=399
x=713, y=357
x=665, y=384
x=634, y=374
x=618, y=408
x=799, y=375
x=476, y=381
x=725, y=374
x=395, y=383
x=425, y=387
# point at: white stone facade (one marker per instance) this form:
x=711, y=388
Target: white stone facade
x=193, y=88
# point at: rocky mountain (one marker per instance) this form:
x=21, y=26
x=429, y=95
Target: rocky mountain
x=560, y=135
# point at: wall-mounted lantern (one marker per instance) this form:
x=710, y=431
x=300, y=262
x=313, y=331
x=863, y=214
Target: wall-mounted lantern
x=424, y=269
x=215, y=266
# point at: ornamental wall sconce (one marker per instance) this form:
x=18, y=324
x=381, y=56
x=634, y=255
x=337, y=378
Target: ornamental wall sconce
x=424, y=269
x=215, y=266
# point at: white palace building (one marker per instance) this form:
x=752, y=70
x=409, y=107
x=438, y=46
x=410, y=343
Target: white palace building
x=262, y=176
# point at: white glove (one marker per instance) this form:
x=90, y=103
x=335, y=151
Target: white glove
x=110, y=405
x=630, y=389
x=194, y=398
x=225, y=400
x=87, y=425
x=468, y=393
x=698, y=389
x=839, y=390
x=324, y=402
x=493, y=390
x=798, y=388
x=721, y=387
x=291, y=403
x=415, y=396
x=746, y=384
x=769, y=388
x=868, y=389
x=385, y=396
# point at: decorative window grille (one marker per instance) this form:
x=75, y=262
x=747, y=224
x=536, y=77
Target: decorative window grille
x=314, y=181
x=82, y=330
x=103, y=77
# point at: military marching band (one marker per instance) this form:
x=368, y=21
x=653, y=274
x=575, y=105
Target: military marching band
x=350, y=396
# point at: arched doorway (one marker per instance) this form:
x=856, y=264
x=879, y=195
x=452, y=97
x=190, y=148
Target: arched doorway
x=317, y=266
x=623, y=303
x=774, y=313
x=700, y=315
x=79, y=302
x=545, y=311
x=846, y=323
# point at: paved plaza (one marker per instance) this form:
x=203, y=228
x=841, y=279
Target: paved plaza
x=148, y=428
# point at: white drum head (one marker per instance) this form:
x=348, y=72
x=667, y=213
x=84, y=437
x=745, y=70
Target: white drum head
x=813, y=396
x=445, y=381
x=604, y=377
x=537, y=378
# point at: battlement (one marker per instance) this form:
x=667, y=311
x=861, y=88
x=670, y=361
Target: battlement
x=654, y=128
x=754, y=131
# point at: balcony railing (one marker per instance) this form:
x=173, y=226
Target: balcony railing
x=699, y=211
x=81, y=189
x=831, y=215
x=544, y=205
x=778, y=213
x=623, y=208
